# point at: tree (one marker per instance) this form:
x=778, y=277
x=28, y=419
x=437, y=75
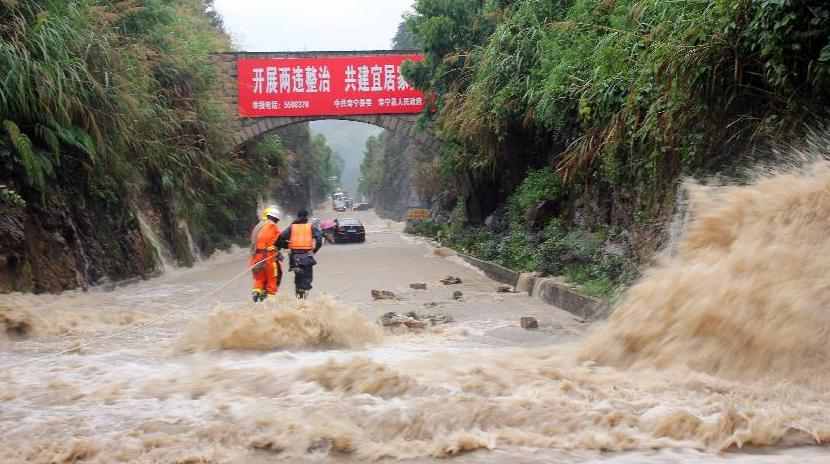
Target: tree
x=404, y=38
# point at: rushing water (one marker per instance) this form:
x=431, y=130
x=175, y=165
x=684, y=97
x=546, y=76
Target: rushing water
x=719, y=354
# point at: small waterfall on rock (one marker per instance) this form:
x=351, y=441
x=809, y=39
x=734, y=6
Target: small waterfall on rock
x=191, y=245
x=163, y=255
x=679, y=220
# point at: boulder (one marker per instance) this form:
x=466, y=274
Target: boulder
x=436, y=319
x=497, y=222
x=457, y=295
x=412, y=320
x=451, y=280
x=504, y=289
x=529, y=322
x=538, y=215
x=418, y=286
x=383, y=295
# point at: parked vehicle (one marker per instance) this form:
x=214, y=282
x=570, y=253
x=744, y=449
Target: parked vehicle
x=362, y=206
x=339, y=205
x=335, y=198
x=349, y=230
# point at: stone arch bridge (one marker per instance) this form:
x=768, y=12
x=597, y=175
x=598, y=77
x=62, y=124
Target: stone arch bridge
x=247, y=129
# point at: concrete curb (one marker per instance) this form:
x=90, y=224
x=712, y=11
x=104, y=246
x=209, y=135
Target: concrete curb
x=547, y=289
x=554, y=293
x=492, y=270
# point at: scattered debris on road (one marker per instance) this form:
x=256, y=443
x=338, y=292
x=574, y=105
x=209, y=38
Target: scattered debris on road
x=457, y=295
x=529, y=322
x=383, y=295
x=450, y=280
x=505, y=289
x=444, y=252
x=413, y=320
x=418, y=286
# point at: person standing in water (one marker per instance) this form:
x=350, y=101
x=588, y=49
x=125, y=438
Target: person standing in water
x=304, y=241
x=265, y=259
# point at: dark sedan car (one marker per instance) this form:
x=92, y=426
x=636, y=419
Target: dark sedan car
x=350, y=230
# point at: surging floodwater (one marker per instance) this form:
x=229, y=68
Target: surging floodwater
x=721, y=347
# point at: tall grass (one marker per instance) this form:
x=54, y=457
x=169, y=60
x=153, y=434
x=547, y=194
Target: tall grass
x=124, y=91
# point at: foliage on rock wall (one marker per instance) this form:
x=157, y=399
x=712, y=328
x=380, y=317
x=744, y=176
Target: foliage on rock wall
x=618, y=98
x=119, y=95
x=630, y=85
x=587, y=259
x=392, y=161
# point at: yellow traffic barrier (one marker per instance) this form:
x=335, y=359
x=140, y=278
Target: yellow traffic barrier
x=417, y=214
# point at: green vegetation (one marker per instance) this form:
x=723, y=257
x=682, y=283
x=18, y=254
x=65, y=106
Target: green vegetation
x=326, y=164
x=347, y=140
x=614, y=101
x=628, y=86
x=222, y=208
x=573, y=253
x=116, y=98
x=372, y=166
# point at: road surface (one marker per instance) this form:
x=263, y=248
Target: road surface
x=182, y=368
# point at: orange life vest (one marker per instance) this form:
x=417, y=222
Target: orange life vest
x=301, y=237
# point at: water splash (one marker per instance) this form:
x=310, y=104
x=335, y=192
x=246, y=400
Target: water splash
x=747, y=293
x=285, y=323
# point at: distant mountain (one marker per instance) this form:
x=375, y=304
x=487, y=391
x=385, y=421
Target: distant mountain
x=347, y=139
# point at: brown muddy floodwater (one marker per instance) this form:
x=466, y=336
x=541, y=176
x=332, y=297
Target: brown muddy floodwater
x=720, y=354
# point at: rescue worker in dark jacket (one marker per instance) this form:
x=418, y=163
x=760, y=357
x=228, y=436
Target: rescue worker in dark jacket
x=303, y=240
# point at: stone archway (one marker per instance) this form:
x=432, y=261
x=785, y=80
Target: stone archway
x=405, y=125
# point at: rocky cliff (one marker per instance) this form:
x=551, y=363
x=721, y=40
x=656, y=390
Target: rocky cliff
x=80, y=234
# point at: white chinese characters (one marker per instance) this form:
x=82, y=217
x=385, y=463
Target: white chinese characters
x=285, y=79
x=374, y=78
x=398, y=102
x=312, y=79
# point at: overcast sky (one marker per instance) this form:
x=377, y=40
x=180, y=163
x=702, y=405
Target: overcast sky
x=304, y=25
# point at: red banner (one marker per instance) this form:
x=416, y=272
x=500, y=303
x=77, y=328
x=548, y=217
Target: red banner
x=326, y=86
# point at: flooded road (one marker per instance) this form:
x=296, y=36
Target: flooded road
x=184, y=369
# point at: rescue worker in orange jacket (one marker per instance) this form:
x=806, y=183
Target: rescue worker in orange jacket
x=303, y=240
x=265, y=259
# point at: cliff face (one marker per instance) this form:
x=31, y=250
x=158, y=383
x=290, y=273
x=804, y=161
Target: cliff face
x=78, y=235
x=73, y=239
x=396, y=193
x=291, y=189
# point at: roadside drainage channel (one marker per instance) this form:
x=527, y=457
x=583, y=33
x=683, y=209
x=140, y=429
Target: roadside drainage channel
x=548, y=289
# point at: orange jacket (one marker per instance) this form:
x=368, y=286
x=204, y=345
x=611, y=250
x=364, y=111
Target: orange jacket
x=264, y=235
